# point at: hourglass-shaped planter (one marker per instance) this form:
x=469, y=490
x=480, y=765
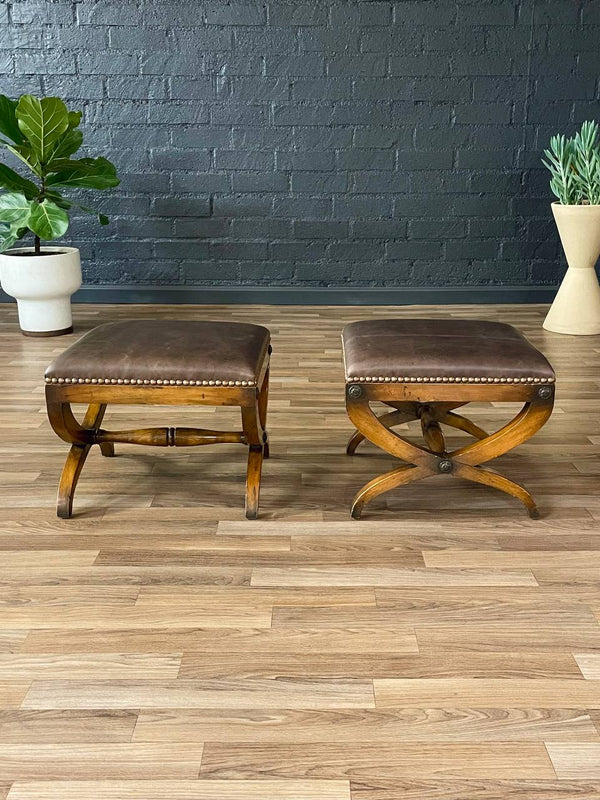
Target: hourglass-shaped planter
x=576, y=307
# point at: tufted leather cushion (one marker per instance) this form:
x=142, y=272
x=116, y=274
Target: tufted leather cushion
x=443, y=350
x=165, y=351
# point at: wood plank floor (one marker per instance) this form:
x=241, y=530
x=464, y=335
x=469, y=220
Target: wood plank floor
x=158, y=645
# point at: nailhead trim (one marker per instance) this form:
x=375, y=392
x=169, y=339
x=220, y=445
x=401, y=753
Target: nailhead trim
x=438, y=379
x=151, y=382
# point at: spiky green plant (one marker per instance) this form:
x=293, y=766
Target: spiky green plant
x=43, y=134
x=587, y=162
x=574, y=164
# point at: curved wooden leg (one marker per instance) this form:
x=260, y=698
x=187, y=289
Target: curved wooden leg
x=403, y=413
x=255, y=459
x=76, y=459
x=489, y=477
x=432, y=432
x=68, y=480
x=263, y=401
x=253, y=432
x=383, y=483
x=370, y=426
x=467, y=461
x=527, y=422
x=460, y=423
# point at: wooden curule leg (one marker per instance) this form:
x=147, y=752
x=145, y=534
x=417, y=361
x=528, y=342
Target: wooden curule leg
x=253, y=419
x=263, y=399
x=405, y=412
x=434, y=458
x=76, y=459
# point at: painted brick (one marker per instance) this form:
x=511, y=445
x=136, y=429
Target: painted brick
x=359, y=65
x=243, y=206
x=298, y=251
x=270, y=138
x=305, y=229
x=295, y=65
x=305, y=207
x=36, y=12
x=170, y=159
x=213, y=228
x=310, y=160
x=173, y=113
x=182, y=248
x=379, y=229
x=245, y=13
x=42, y=63
x=193, y=89
x=436, y=229
x=132, y=87
x=297, y=14
x=244, y=160
x=194, y=182
x=239, y=251
x=319, y=182
x=257, y=182
x=182, y=207
x=267, y=229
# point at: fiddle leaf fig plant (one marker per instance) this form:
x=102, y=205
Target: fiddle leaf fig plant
x=575, y=166
x=44, y=135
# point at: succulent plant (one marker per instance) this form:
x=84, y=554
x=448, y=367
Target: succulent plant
x=574, y=164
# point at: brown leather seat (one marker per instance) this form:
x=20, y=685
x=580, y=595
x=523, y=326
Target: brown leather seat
x=441, y=350
x=165, y=351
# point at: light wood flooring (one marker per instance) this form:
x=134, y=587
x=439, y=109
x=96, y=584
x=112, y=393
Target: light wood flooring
x=158, y=646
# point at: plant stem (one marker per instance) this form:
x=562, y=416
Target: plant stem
x=40, y=198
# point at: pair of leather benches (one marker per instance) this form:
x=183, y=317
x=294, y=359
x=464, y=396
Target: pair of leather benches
x=422, y=369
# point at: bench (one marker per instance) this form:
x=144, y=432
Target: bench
x=162, y=362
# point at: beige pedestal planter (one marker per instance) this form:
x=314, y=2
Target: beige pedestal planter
x=42, y=286
x=576, y=308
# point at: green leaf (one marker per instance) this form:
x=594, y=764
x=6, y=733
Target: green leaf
x=69, y=143
x=74, y=118
x=15, y=208
x=8, y=236
x=42, y=122
x=8, y=120
x=47, y=220
x=11, y=180
x=86, y=173
x=24, y=153
x=103, y=219
x=56, y=197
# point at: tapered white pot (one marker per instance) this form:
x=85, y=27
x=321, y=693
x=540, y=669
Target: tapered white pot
x=42, y=286
x=576, y=307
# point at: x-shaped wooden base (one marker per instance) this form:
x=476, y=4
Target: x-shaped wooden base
x=434, y=458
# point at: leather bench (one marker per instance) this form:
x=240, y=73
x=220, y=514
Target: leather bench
x=425, y=369
x=162, y=362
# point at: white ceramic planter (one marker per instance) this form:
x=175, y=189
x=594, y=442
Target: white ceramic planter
x=576, y=307
x=42, y=286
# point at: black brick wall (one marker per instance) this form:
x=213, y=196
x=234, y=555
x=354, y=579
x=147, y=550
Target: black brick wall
x=319, y=143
